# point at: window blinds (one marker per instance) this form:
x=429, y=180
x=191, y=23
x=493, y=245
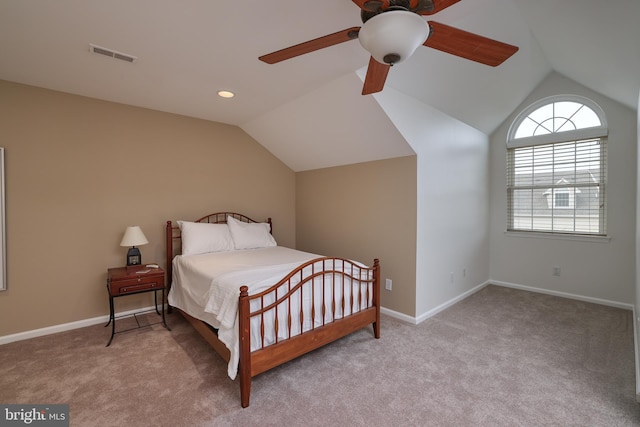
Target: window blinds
x=557, y=188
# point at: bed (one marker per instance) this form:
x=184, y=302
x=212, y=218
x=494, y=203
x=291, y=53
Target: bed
x=258, y=304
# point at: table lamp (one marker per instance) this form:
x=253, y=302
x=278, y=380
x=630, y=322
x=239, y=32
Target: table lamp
x=133, y=236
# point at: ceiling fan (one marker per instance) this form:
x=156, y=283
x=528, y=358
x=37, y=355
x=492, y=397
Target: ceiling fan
x=393, y=29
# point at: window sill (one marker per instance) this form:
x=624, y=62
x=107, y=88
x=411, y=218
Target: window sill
x=575, y=237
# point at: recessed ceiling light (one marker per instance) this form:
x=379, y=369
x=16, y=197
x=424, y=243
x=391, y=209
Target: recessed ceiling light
x=226, y=94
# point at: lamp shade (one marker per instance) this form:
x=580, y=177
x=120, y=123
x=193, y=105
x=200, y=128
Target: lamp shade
x=393, y=36
x=133, y=236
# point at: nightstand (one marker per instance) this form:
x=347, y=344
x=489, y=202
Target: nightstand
x=135, y=279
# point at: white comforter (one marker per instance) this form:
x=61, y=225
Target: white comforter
x=207, y=287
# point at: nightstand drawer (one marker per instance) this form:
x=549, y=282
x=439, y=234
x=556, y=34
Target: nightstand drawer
x=135, y=285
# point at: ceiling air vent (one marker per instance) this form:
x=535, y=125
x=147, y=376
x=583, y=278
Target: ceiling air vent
x=112, y=53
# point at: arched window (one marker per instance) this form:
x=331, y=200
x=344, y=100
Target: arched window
x=556, y=168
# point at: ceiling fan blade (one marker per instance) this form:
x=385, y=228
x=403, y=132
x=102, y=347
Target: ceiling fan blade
x=376, y=76
x=438, y=5
x=468, y=45
x=372, y=5
x=311, y=45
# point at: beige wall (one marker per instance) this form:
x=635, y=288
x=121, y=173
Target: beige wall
x=79, y=170
x=364, y=211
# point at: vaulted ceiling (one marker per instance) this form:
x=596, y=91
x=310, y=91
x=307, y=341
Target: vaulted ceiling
x=308, y=111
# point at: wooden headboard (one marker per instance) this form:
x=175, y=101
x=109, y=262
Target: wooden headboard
x=173, y=234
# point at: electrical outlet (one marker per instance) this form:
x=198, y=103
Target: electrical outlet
x=388, y=284
x=556, y=271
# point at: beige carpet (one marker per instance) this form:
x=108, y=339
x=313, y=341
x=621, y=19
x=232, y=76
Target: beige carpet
x=502, y=357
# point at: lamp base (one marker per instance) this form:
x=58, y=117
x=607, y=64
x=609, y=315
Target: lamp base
x=133, y=256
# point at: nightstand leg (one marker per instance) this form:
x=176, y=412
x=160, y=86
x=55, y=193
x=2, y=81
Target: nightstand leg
x=164, y=322
x=112, y=320
x=155, y=296
x=110, y=309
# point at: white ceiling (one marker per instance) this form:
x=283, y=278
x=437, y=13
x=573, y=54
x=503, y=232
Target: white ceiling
x=308, y=111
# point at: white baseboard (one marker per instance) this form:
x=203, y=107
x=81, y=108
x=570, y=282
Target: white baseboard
x=424, y=316
x=67, y=326
x=637, y=355
x=447, y=304
x=433, y=311
x=563, y=295
x=398, y=315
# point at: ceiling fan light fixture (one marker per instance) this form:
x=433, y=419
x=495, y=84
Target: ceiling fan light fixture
x=392, y=36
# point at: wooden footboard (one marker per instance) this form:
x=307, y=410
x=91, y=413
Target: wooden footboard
x=353, y=303
x=341, y=297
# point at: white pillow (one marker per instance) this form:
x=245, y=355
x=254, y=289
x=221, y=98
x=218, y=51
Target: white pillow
x=250, y=235
x=202, y=237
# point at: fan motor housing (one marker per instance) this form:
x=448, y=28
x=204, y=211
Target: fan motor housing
x=375, y=7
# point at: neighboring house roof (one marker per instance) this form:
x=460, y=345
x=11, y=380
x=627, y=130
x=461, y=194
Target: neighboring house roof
x=541, y=198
